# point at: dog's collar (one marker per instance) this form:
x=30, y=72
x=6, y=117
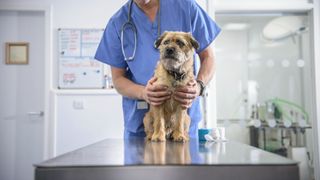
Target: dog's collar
x=177, y=76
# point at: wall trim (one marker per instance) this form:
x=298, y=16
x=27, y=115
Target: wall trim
x=262, y=7
x=315, y=13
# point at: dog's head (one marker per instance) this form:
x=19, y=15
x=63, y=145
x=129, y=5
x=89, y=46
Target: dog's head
x=176, y=48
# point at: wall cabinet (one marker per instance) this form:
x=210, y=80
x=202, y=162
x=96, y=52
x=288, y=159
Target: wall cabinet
x=83, y=119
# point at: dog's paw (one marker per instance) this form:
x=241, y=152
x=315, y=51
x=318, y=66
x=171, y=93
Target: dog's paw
x=158, y=138
x=149, y=136
x=179, y=137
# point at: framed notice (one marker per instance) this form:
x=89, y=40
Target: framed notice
x=77, y=67
x=17, y=53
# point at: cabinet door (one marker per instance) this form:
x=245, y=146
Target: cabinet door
x=83, y=120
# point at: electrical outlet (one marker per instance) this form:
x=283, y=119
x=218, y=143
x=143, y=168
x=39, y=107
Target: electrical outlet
x=78, y=104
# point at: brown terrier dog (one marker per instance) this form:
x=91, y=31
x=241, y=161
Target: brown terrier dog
x=175, y=68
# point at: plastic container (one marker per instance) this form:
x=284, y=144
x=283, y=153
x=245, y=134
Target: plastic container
x=202, y=133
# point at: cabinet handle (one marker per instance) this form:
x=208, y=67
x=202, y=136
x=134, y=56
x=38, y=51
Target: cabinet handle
x=40, y=113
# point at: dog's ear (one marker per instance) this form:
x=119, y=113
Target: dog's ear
x=193, y=42
x=159, y=40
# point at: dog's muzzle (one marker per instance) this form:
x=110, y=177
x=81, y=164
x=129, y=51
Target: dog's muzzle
x=170, y=53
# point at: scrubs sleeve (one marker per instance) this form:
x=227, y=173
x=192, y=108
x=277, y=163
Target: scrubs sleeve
x=109, y=49
x=204, y=29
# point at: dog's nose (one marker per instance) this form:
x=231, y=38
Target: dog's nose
x=170, y=51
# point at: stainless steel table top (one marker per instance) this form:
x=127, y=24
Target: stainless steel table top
x=139, y=152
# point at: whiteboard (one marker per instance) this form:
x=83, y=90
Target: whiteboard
x=77, y=66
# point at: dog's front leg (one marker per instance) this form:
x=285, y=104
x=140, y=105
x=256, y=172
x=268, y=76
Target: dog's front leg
x=179, y=133
x=159, y=125
x=148, y=125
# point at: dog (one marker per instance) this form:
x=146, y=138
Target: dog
x=175, y=68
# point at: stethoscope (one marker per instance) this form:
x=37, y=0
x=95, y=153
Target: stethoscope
x=130, y=24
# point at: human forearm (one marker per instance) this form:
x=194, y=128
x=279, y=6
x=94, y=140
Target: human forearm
x=127, y=88
x=207, y=68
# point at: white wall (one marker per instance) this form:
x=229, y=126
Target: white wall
x=76, y=14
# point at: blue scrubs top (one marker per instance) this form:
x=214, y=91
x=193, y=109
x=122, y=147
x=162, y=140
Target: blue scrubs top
x=175, y=15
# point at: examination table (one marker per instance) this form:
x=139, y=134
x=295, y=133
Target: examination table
x=140, y=159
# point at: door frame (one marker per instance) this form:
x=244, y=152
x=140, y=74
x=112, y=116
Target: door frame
x=315, y=13
x=47, y=127
x=313, y=10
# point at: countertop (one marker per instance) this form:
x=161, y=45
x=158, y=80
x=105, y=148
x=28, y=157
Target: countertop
x=140, y=159
x=119, y=152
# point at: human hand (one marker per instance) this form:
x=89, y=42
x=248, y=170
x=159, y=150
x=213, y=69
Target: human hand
x=186, y=94
x=155, y=94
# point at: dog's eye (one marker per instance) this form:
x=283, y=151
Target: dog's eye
x=180, y=43
x=166, y=42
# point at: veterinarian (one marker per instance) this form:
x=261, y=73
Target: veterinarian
x=127, y=46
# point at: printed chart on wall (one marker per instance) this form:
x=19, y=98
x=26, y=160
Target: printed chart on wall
x=77, y=67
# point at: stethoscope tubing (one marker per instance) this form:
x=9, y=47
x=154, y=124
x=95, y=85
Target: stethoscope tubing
x=129, y=24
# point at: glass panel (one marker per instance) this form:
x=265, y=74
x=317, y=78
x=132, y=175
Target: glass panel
x=260, y=59
x=264, y=82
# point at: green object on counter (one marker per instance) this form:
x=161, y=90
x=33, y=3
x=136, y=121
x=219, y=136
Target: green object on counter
x=277, y=112
x=279, y=104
